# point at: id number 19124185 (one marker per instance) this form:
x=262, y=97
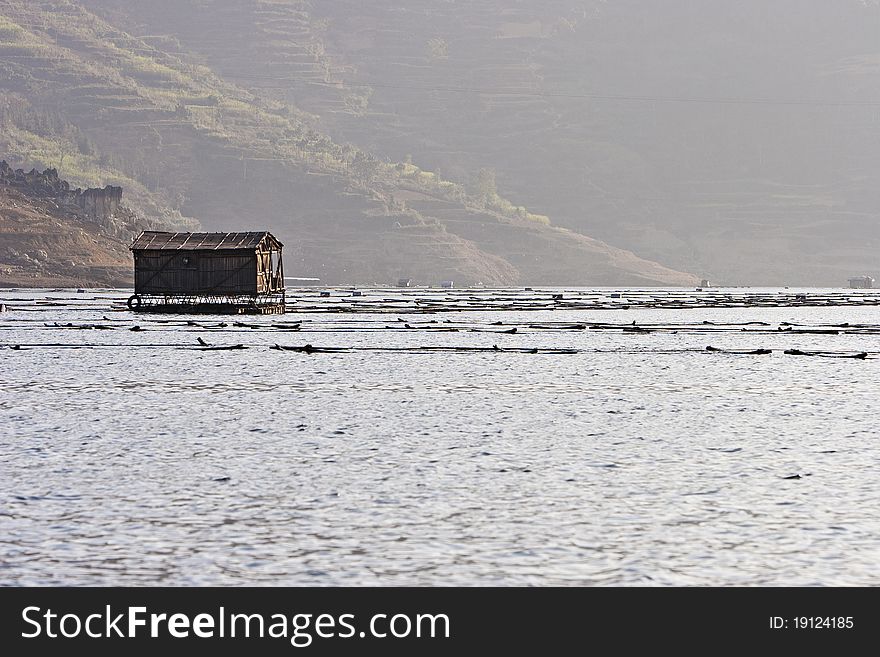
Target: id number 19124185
x=812, y=622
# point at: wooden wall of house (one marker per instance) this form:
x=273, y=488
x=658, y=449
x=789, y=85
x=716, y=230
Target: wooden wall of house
x=269, y=277
x=195, y=272
x=264, y=269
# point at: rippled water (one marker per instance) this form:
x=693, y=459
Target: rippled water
x=641, y=459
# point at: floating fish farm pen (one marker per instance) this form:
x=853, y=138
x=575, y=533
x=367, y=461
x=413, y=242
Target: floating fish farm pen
x=861, y=283
x=208, y=273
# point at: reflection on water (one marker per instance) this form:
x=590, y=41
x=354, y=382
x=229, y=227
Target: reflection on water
x=640, y=459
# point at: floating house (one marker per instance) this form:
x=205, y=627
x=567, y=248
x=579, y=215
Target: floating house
x=861, y=283
x=228, y=273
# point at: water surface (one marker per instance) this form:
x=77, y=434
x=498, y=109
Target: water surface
x=640, y=459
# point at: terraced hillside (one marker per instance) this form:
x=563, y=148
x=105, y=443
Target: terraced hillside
x=136, y=102
x=736, y=140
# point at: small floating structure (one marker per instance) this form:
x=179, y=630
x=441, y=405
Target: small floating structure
x=211, y=273
x=303, y=280
x=861, y=283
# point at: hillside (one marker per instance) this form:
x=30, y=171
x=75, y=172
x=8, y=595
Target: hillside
x=191, y=142
x=52, y=235
x=735, y=140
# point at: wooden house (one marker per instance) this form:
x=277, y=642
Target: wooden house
x=208, y=272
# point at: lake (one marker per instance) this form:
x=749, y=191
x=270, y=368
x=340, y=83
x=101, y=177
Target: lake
x=600, y=443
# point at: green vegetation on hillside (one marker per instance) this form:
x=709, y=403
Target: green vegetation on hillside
x=130, y=77
x=184, y=137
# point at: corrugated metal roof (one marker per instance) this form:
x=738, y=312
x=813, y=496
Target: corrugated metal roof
x=155, y=240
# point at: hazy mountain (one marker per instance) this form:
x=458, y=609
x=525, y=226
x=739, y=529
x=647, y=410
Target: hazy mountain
x=732, y=139
x=112, y=101
x=736, y=141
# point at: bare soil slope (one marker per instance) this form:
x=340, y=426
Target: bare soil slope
x=44, y=245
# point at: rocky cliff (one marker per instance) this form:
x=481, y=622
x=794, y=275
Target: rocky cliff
x=57, y=236
x=98, y=205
